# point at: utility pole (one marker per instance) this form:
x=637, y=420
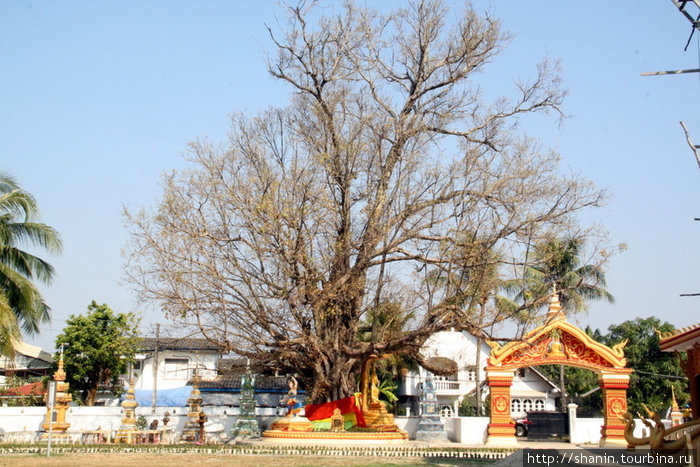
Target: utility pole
x=155, y=371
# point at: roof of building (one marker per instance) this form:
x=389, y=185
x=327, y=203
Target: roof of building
x=30, y=389
x=681, y=339
x=262, y=382
x=527, y=393
x=33, y=351
x=229, y=365
x=177, y=343
x=544, y=377
x=38, y=358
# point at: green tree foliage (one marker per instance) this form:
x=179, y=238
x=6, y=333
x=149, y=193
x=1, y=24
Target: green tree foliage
x=654, y=371
x=21, y=306
x=97, y=348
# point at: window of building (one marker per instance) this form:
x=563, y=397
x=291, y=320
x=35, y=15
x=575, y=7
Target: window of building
x=177, y=368
x=539, y=405
x=527, y=405
x=450, y=377
x=446, y=411
x=515, y=406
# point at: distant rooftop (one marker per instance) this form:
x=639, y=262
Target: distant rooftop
x=262, y=383
x=176, y=343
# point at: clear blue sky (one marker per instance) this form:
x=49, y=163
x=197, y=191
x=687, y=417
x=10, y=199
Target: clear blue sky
x=98, y=99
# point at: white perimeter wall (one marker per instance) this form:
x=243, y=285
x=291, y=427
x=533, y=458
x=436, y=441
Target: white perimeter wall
x=464, y=430
x=30, y=419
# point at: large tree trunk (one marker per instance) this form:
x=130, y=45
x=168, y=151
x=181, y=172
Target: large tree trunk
x=333, y=377
x=90, y=396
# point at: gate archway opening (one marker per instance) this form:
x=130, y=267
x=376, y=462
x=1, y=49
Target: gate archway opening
x=557, y=342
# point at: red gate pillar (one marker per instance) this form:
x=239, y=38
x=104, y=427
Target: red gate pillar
x=614, y=386
x=501, y=429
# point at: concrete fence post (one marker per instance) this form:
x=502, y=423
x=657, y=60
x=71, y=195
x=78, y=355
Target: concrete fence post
x=573, y=436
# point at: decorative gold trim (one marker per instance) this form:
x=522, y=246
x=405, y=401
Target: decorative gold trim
x=614, y=356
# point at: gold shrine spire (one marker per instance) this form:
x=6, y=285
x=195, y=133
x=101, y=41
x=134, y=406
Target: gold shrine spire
x=60, y=374
x=674, y=402
x=554, y=306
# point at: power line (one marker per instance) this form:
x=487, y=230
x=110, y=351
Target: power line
x=660, y=375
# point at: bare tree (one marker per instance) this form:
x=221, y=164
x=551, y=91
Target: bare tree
x=276, y=243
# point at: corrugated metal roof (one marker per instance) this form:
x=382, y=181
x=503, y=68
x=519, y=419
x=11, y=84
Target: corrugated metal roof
x=234, y=382
x=176, y=343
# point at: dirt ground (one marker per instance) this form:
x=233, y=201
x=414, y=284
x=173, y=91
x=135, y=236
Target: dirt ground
x=187, y=460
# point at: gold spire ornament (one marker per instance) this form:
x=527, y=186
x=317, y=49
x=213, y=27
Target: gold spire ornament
x=676, y=414
x=128, y=430
x=55, y=421
x=554, y=312
x=191, y=432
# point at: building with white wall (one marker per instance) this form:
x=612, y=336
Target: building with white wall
x=531, y=390
x=29, y=361
x=164, y=367
x=169, y=362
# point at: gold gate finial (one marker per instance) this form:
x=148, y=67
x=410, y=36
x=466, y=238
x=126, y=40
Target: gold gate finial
x=554, y=305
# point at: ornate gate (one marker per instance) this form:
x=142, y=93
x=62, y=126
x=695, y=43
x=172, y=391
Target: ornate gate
x=557, y=342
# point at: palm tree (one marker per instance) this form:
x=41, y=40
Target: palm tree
x=558, y=263
x=21, y=306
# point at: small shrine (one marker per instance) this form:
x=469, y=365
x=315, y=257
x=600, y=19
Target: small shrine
x=339, y=419
x=55, y=422
x=430, y=427
x=246, y=425
x=128, y=430
x=676, y=415
x=191, y=432
x=292, y=421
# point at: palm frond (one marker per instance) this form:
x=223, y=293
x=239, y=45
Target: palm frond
x=21, y=303
x=18, y=203
x=9, y=329
x=28, y=265
x=35, y=233
x=7, y=182
x=24, y=298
